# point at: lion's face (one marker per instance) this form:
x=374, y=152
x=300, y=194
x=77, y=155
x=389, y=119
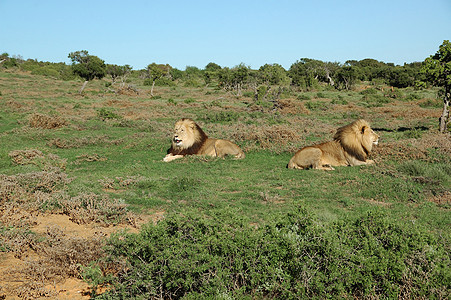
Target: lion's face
x=185, y=134
x=369, y=138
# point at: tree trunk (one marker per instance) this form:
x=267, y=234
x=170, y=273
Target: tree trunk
x=444, y=118
x=331, y=81
x=83, y=87
x=151, y=89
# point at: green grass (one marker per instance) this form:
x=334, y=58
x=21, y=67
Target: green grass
x=114, y=147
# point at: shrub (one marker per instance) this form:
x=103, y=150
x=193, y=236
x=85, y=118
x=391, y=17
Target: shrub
x=369, y=91
x=104, y=113
x=375, y=100
x=222, y=117
x=292, y=257
x=303, y=97
x=189, y=100
x=315, y=105
x=37, y=120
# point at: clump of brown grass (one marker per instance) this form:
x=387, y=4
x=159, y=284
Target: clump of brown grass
x=128, y=90
x=415, y=148
x=37, y=120
x=58, y=257
x=22, y=195
x=290, y=106
x=24, y=157
x=36, y=157
x=17, y=240
x=82, y=142
x=90, y=207
x=89, y=158
x=275, y=138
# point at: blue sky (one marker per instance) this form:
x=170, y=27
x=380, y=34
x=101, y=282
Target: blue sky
x=194, y=33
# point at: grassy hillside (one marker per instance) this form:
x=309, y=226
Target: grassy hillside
x=97, y=158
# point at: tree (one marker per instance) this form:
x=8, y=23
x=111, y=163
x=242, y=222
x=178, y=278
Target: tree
x=308, y=72
x=346, y=77
x=116, y=71
x=273, y=74
x=235, y=78
x=437, y=68
x=211, y=72
x=87, y=66
x=157, y=71
x=3, y=57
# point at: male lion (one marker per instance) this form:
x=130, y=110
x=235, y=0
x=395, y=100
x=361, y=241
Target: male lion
x=190, y=139
x=351, y=146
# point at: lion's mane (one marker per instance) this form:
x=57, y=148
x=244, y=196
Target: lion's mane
x=355, y=140
x=197, y=138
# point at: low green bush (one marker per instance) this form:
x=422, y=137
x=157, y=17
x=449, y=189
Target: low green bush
x=292, y=257
x=104, y=113
x=221, y=117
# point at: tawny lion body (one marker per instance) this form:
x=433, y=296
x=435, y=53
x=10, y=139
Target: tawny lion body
x=351, y=146
x=190, y=139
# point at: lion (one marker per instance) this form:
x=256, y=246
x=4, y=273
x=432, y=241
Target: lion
x=190, y=139
x=351, y=146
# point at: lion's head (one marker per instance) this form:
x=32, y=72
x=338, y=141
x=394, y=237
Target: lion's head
x=357, y=139
x=188, y=137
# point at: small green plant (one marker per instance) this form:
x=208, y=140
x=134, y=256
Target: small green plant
x=315, y=105
x=374, y=100
x=369, y=91
x=413, y=97
x=321, y=95
x=171, y=101
x=189, y=100
x=105, y=114
x=222, y=117
x=431, y=103
x=248, y=94
x=339, y=100
x=304, y=97
x=413, y=134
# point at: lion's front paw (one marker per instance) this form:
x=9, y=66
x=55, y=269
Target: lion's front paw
x=171, y=157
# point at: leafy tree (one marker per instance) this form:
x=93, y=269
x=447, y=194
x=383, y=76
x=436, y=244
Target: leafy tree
x=235, y=78
x=346, y=77
x=87, y=66
x=302, y=73
x=3, y=57
x=437, y=68
x=212, y=67
x=157, y=71
x=116, y=71
x=308, y=72
x=211, y=72
x=8, y=62
x=273, y=74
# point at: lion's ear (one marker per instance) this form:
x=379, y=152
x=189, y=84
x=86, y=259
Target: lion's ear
x=363, y=129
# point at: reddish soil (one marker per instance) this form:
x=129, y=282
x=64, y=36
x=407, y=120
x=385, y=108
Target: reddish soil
x=16, y=285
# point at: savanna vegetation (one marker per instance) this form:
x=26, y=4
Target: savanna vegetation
x=208, y=228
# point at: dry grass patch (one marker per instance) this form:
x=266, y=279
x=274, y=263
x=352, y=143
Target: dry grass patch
x=275, y=138
x=82, y=142
x=38, y=158
x=37, y=120
x=51, y=261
